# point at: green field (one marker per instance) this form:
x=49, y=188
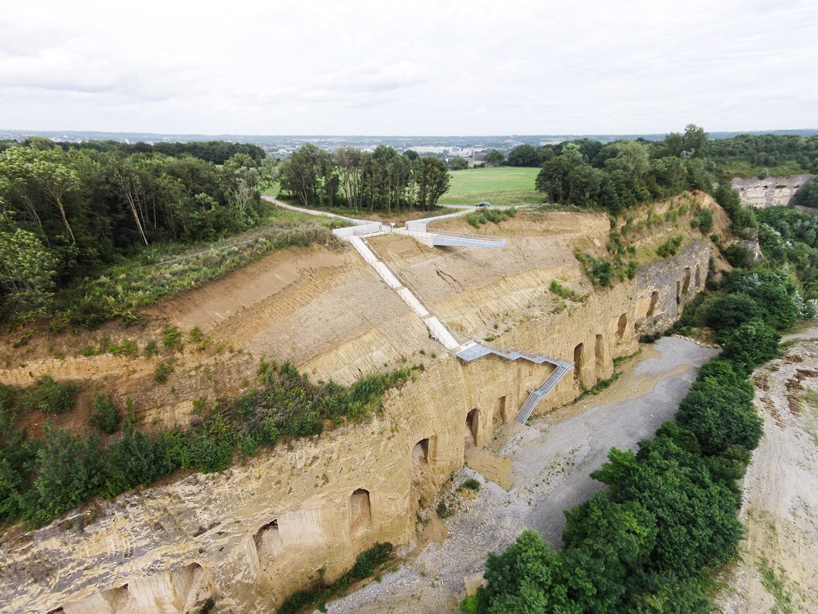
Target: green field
x=503, y=185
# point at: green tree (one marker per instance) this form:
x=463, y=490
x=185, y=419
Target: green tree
x=68, y=470
x=27, y=269
x=432, y=181
x=458, y=163
x=731, y=310
x=751, y=344
x=523, y=155
x=495, y=158
x=720, y=416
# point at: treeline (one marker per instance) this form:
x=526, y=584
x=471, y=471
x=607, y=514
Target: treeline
x=622, y=174
x=67, y=213
x=790, y=238
x=671, y=508
x=744, y=155
x=379, y=181
x=618, y=175
x=217, y=152
x=42, y=478
x=767, y=154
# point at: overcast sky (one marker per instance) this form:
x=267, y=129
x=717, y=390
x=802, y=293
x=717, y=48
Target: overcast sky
x=408, y=68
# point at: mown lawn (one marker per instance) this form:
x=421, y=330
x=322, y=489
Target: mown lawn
x=503, y=185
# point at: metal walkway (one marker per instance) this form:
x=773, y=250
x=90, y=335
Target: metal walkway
x=465, y=349
x=538, y=393
x=474, y=350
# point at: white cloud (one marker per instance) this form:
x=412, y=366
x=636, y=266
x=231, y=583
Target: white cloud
x=366, y=67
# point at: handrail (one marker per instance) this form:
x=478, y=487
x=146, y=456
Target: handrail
x=465, y=235
x=416, y=294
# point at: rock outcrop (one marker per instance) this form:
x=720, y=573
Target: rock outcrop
x=250, y=536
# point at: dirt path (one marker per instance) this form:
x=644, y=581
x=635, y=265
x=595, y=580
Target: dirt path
x=551, y=458
x=778, y=563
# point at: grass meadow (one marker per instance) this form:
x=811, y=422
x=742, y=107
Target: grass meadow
x=502, y=185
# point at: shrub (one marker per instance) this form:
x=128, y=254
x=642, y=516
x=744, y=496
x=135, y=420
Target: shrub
x=737, y=255
x=476, y=219
x=470, y=484
x=68, y=470
x=162, y=370
x=670, y=247
x=172, y=337
x=751, y=344
x=50, y=396
x=106, y=417
x=732, y=310
x=704, y=221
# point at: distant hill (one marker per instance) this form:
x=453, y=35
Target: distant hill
x=285, y=143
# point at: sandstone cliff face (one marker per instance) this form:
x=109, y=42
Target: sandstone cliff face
x=250, y=536
x=770, y=191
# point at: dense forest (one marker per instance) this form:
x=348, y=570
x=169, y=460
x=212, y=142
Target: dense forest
x=379, y=181
x=217, y=152
x=67, y=213
x=741, y=156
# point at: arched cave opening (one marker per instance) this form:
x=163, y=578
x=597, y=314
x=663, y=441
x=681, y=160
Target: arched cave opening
x=499, y=416
x=360, y=512
x=420, y=453
x=579, y=360
x=472, y=426
x=621, y=326
x=654, y=300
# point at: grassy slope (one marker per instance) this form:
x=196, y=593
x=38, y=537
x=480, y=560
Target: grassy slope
x=504, y=185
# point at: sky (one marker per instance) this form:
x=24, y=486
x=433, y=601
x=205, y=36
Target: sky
x=408, y=68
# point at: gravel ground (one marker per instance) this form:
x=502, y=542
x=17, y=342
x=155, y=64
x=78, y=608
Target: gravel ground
x=552, y=457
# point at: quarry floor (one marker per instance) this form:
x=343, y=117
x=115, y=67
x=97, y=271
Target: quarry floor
x=777, y=567
x=529, y=475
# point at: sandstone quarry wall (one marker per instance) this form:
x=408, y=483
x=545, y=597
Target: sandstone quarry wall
x=770, y=191
x=250, y=536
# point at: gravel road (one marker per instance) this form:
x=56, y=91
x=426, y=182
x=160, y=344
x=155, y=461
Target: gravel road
x=551, y=457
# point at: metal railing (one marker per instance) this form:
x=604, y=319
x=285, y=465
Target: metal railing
x=416, y=294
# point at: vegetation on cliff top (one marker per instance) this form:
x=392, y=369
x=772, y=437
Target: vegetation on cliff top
x=40, y=479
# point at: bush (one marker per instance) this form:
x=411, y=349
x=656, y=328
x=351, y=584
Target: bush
x=68, y=471
x=732, y=310
x=106, y=417
x=172, y=337
x=162, y=371
x=704, y=221
x=737, y=255
x=470, y=484
x=50, y=396
x=670, y=247
x=751, y=344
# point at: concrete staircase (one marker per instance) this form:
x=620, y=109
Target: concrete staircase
x=437, y=329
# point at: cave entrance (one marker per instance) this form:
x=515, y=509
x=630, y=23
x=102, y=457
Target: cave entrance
x=420, y=453
x=621, y=325
x=268, y=541
x=654, y=299
x=472, y=426
x=360, y=512
x=499, y=416
x=678, y=292
x=599, y=354
x=578, y=361
x=686, y=281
